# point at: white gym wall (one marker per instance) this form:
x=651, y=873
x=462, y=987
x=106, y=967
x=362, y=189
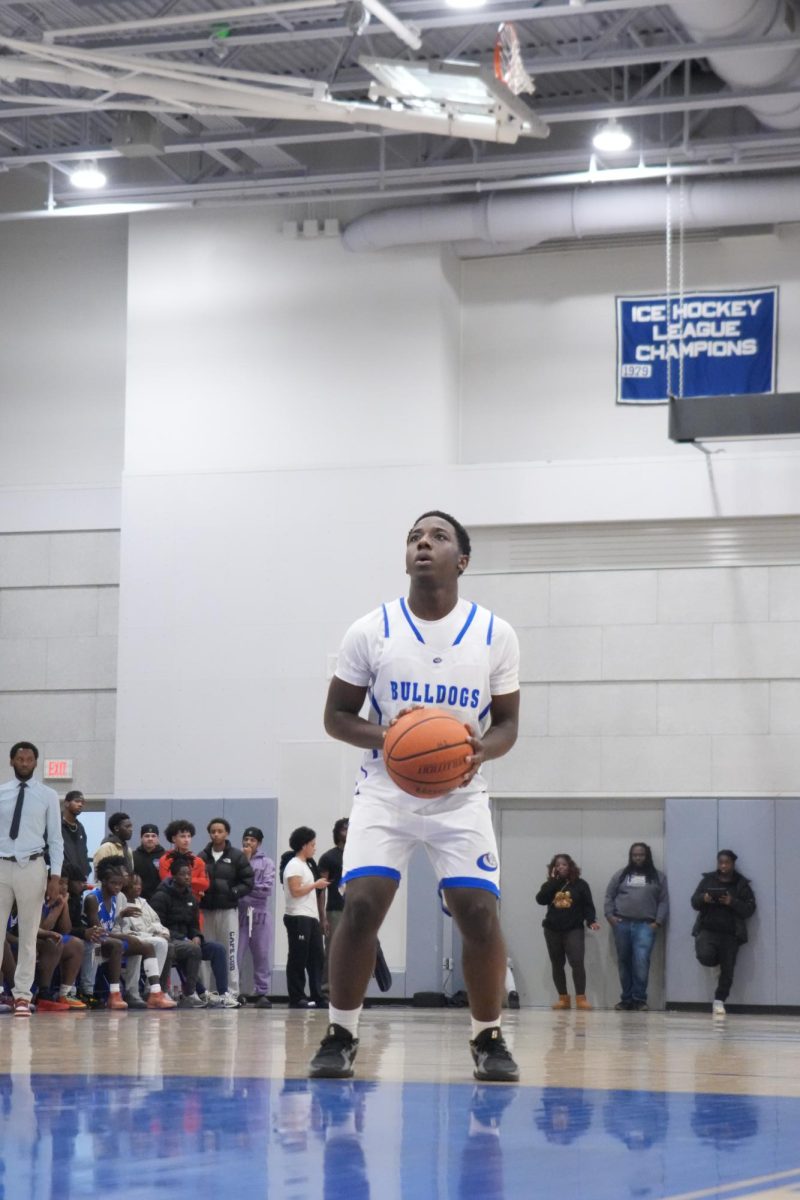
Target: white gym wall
x=62, y=393
x=290, y=408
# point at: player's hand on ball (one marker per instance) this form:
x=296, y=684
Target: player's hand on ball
x=475, y=759
x=404, y=713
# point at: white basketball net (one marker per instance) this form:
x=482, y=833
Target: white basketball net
x=508, y=64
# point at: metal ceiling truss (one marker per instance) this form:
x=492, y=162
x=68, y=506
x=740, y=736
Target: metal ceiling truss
x=270, y=126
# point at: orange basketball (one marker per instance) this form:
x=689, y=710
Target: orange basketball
x=425, y=752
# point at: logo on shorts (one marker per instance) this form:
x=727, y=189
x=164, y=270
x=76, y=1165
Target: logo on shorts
x=487, y=862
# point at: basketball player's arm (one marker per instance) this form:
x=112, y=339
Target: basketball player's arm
x=499, y=738
x=94, y=930
x=342, y=720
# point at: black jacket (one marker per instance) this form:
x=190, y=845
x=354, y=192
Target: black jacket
x=230, y=877
x=742, y=906
x=76, y=858
x=145, y=864
x=179, y=911
x=574, y=909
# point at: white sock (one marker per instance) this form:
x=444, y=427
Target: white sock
x=347, y=1018
x=479, y=1026
x=113, y=987
x=155, y=987
x=65, y=990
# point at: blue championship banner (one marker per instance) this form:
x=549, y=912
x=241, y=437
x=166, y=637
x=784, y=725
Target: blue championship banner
x=727, y=341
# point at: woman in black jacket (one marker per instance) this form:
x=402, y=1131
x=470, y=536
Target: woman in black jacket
x=569, y=908
x=724, y=901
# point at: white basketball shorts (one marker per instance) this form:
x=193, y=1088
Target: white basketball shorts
x=460, y=842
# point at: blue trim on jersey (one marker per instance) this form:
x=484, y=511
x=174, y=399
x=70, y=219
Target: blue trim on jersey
x=466, y=624
x=407, y=616
x=490, y=630
x=469, y=881
x=385, y=621
x=481, y=715
x=366, y=773
x=362, y=872
x=376, y=706
x=465, y=881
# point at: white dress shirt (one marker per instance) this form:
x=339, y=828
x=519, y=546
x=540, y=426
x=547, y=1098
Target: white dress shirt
x=40, y=823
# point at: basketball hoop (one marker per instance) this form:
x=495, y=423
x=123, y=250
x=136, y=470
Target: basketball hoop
x=508, y=65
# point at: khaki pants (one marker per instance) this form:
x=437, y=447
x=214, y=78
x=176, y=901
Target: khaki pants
x=24, y=882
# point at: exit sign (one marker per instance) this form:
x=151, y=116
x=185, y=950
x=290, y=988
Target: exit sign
x=58, y=768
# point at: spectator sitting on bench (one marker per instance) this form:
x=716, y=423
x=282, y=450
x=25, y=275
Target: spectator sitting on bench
x=177, y=909
x=148, y=926
x=102, y=910
x=66, y=954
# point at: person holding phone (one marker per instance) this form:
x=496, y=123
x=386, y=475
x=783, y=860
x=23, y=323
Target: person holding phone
x=724, y=902
x=302, y=920
x=570, y=908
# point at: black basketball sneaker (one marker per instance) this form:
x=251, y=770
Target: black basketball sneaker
x=334, y=1059
x=493, y=1061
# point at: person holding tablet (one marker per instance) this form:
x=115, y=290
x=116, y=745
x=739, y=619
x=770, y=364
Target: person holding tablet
x=724, y=902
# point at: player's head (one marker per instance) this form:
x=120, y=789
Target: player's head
x=180, y=832
x=121, y=826
x=640, y=861
x=24, y=757
x=726, y=862
x=219, y=830
x=301, y=839
x=112, y=873
x=73, y=803
x=149, y=836
x=181, y=870
x=252, y=839
x=437, y=546
x=563, y=866
x=340, y=831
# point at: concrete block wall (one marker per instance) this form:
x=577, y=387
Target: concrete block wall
x=653, y=682
x=59, y=597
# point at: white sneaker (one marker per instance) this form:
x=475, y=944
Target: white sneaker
x=213, y=999
x=718, y=1009
x=228, y=1000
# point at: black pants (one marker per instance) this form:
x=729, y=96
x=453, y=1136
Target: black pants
x=562, y=947
x=186, y=956
x=306, y=956
x=718, y=950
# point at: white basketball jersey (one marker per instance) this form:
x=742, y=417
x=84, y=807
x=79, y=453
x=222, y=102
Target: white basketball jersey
x=455, y=664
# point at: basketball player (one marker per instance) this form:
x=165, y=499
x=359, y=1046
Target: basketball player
x=433, y=648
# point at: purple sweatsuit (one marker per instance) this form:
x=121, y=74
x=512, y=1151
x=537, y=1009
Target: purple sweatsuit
x=255, y=922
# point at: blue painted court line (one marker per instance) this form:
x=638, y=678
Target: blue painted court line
x=186, y=1137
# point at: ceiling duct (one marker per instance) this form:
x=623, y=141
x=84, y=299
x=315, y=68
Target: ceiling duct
x=741, y=66
x=611, y=210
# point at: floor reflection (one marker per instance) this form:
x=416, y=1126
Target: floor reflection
x=74, y=1135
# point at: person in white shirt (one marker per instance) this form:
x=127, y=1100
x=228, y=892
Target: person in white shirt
x=302, y=922
x=431, y=648
x=145, y=925
x=30, y=824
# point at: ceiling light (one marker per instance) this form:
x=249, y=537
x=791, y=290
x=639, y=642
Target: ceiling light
x=465, y=3
x=88, y=176
x=611, y=138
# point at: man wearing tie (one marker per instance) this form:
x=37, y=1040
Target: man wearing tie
x=30, y=823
